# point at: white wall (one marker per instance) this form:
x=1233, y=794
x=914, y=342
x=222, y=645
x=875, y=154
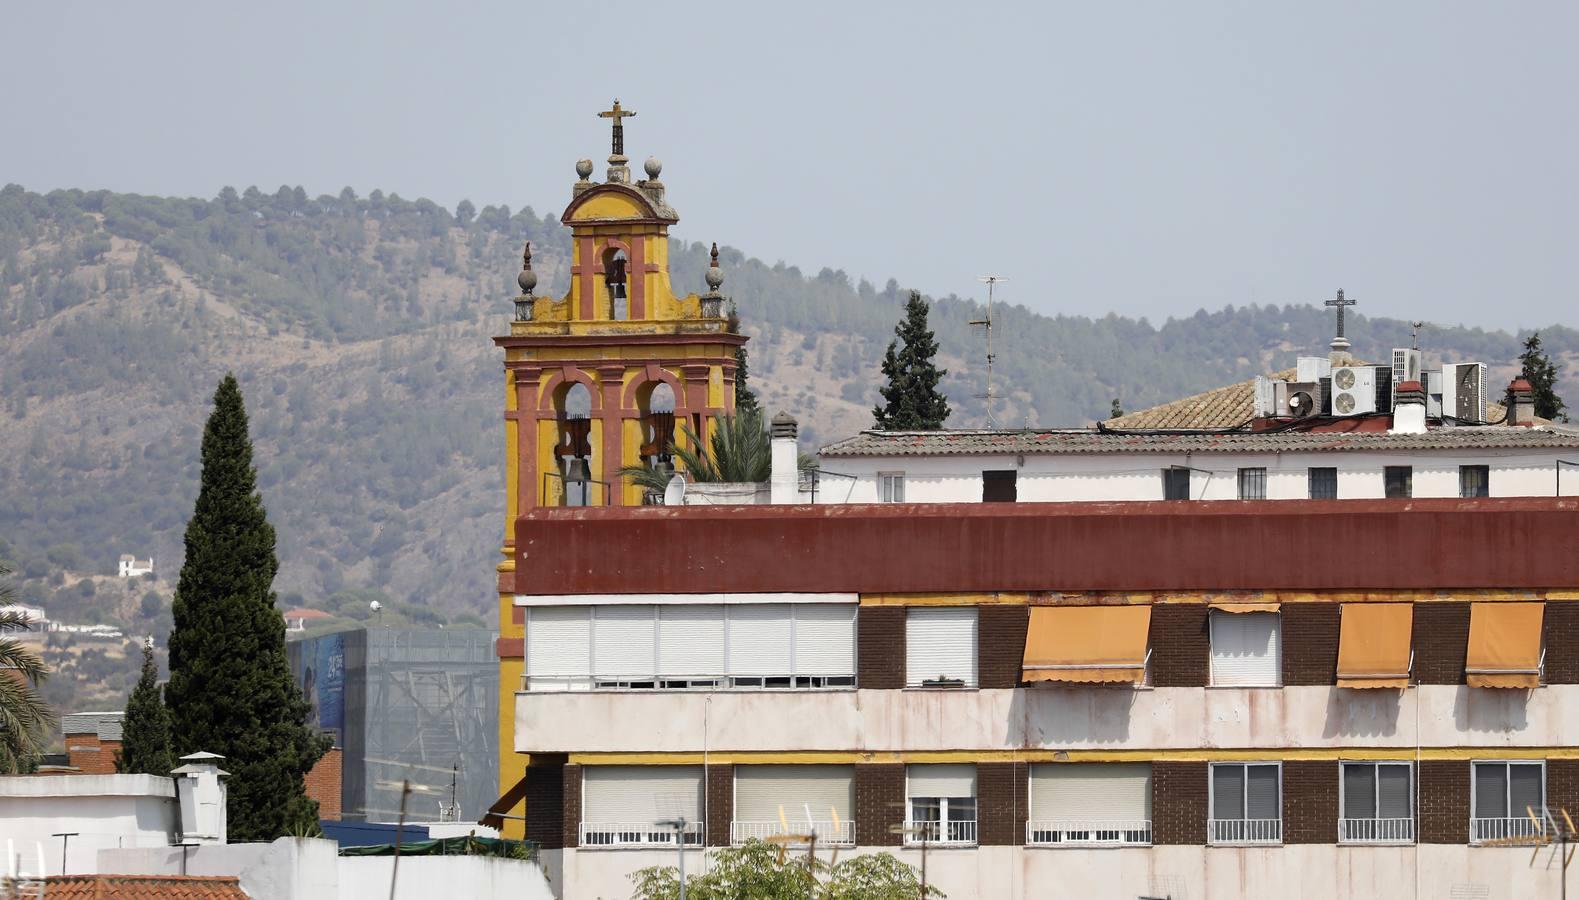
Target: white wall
x=1044, y=717
x=1137, y=476
x=105, y=811
x=426, y=877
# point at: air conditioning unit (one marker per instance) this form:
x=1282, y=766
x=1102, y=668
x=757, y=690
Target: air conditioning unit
x=1353, y=390
x=1464, y=392
x=1298, y=399
x=1433, y=395
x=1312, y=368
x=1406, y=367
x=1266, y=391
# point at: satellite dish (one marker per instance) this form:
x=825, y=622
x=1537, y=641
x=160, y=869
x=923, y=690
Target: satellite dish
x=375, y=606
x=674, y=494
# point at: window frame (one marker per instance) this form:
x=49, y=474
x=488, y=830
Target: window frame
x=1376, y=788
x=886, y=482
x=1002, y=478
x=971, y=684
x=1100, y=833
x=1310, y=482
x=1507, y=787
x=1211, y=666
x=1483, y=472
x=1170, y=478
x=1211, y=802
x=943, y=839
x=1408, y=483
x=1255, y=473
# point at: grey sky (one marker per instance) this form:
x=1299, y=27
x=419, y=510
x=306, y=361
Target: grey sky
x=1145, y=159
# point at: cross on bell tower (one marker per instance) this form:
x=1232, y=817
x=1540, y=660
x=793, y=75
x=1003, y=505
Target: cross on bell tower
x=618, y=171
x=1340, y=344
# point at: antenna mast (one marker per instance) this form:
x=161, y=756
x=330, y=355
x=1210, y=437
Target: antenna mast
x=991, y=281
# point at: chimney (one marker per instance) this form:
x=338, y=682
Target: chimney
x=201, y=790
x=785, y=478
x=1521, y=403
x=1409, y=409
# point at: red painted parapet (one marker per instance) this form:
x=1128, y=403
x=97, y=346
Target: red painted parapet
x=1515, y=543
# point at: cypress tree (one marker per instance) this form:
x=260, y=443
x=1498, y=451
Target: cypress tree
x=145, y=732
x=1541, y=373
x=230, y=689
x=745, y=399
x=911, y=398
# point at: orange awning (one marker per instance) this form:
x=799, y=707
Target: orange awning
x=1504, y=645
x=1247, y=606
x=1374, y=645
x=1087, y=644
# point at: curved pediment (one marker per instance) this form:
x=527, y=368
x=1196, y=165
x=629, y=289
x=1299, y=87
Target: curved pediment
x=616, y=202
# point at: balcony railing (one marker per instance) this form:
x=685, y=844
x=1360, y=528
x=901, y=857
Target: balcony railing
x=827, y=832
x=1245, y=831
x=637, y=834
x=1518, y=828
x=1376, y=831
x=1114, y=832
x=952, y=832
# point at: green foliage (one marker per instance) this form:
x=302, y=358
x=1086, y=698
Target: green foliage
x=230, y=689
x=911, y=398
x=1116, y=410
x=1539, y=370
x=753, y=872
x=145, y=731
x=739, y=450
x=745, y=398
x=26, y=721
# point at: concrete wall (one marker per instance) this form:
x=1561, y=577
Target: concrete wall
x=1137, y=476
x=1044, y=717
x=105, y=811
x=426, y=877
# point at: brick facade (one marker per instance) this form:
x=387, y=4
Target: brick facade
x=880, y=647
x=1180, y=645
x=90, y=755
x=323, y=784
x=1178, y=803
x=549, y=816
x=1310, y=802
x=1562, y=642
x=1444, y=799
x=1310, y=643
x=1002, y=803
x=879, y=803
x=1562, y=786
x=1441, y=638
x=1000, y=645
x=720, y=810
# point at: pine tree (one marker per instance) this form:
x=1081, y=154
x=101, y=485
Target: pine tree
x=912, y=401
x=1116, y=410
x=145, y=732
x=230, y=689
x=1541, y=373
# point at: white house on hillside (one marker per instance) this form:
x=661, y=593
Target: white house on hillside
x=131, y=566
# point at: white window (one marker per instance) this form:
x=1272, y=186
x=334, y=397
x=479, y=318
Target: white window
x=558, y=646
x=1090, y=803
x=1503, y=796
x=809, y=799
x=940, y=646
x=625, y=644
x=621, y=804
x=759, y=642
x=691, y=645
x=941, y=804
x=824, y=649
x=1245, y=649
x=1252, y=484
x=1375, y=805
x=891, y=487
x=1246, y=804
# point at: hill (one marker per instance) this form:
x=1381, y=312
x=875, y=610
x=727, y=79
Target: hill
x=360, y=330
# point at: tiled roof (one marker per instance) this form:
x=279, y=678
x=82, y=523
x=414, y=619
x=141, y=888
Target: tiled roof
x=960, y=443
x=303, y=613
x=1225, y=407
x=144, y=887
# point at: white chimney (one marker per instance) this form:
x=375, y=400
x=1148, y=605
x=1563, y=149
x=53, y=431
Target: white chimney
x=200, y=787
x=1409, y=409
x=785, y=477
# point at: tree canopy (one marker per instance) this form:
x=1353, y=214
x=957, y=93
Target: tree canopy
x=26, y=722
x=145, y=731
x=911, y=398
x=756, y=871
x=1539, y=370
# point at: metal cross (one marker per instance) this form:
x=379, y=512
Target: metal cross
x=1340, y=303
x=619, y=128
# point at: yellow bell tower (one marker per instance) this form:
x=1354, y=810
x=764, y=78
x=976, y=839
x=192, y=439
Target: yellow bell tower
x=597, y=380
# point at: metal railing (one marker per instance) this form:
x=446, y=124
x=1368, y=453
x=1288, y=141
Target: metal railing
x=827, y=832
x=1245, y=831
x=952, y=832
x=559, y=491
x=548, y=683
x=1504, y=829
x=1117, y=832
x=637, y=834
x=1376, y=831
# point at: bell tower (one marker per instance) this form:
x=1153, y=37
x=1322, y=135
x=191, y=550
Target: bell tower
x=602, y=377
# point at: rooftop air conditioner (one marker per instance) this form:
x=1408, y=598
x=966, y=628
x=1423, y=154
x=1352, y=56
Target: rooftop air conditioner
x=1298, y=399
x=1312, y=368
x=1406, y=367
x=1464, y=392
x=1353, y=390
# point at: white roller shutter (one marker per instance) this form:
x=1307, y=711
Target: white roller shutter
x=942, y=780
x=940, y=641
x=1100, y=791
x=761, y=790
x=759, y=639
x=640, y=795
x=558, y=641
x=1245, y=649
x=690, y=641
x=624, y=641
x=824, y=639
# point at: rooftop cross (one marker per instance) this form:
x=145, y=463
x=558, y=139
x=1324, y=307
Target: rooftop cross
x=1340, y=303
x=619, y=128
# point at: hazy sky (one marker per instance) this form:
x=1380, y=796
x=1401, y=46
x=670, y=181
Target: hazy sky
x=1145, y=159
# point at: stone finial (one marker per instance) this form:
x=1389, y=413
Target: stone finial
x=713, y=301
x=528, y=282
x=584, y=168
x=653, y=167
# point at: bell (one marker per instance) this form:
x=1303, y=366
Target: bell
x=618, y=289
x=577, y=471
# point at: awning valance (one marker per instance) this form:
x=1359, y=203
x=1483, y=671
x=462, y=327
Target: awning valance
x=1374, y=645
x=1504, y=645
x=1087, y=644
x=1244, y=606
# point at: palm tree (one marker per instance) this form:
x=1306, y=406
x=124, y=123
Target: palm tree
x=739, y=451
x=25, y=720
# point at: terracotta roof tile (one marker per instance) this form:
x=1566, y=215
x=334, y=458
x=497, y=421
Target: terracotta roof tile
x=144, y=887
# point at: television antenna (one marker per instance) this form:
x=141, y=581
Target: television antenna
x=786, y=839
x=1548, y=829
x=991, y=281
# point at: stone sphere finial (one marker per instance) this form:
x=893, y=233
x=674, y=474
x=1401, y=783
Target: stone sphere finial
x=714, y=275
x=527, y=279
x=584, y=168
x=654, y=167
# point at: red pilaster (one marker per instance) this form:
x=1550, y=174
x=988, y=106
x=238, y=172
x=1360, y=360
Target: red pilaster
x=611, y=379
